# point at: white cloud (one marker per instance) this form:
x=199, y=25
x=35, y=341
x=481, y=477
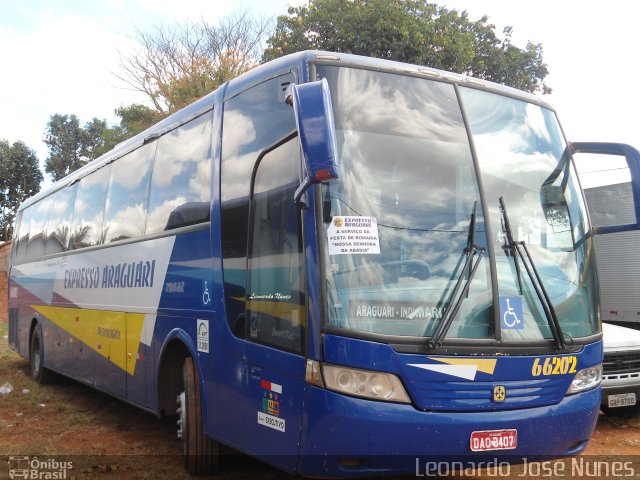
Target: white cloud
x=64, y=65
x=185, y=9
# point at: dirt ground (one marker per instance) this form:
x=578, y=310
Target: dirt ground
x=106, y=438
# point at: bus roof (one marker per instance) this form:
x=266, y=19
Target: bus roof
x=279, y=66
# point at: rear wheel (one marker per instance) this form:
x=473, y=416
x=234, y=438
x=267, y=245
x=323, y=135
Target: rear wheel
x=201, y=454
x=36, y=358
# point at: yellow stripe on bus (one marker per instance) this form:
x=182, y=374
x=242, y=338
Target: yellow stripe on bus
x=484, y=365
x=114, y=335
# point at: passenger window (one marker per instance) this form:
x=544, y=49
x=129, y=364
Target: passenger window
x=275, y=290
x=22, y=233
x=59, y=225
x=88, y=212
x=180, y=184
x=37, y=225
x=126, y=206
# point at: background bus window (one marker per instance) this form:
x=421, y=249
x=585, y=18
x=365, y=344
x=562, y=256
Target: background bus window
x=180, y=189
x=606, y=181
x=126, y=207
x=275, y=306
x=88, y=211
x=59, y=226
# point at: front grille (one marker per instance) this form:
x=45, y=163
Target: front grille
x=622, y=362
x=477, y=396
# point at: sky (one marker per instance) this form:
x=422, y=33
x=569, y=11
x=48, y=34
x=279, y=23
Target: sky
x=61, y=56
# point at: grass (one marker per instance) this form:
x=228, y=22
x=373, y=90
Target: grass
x=102, y=436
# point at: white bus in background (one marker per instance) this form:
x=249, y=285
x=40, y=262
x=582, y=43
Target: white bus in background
x=609, y=192
x=611, y=187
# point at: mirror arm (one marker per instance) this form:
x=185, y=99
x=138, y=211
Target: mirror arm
x=302, y=188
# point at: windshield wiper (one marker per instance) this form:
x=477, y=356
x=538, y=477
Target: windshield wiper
x=515, y=249
x=455, y=300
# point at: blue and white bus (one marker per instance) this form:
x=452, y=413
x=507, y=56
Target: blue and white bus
x=333, y=263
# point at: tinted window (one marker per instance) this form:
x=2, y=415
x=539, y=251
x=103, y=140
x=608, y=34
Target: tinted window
x=253, y=121
x=22, y=233
x=180, y=185
x=275, y=306
x=126, y=205
x=59, y=225
x=86, y=228
x=37, y=226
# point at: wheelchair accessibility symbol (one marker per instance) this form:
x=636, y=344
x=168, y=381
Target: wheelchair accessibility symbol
x=206, y=296
x=511, y=314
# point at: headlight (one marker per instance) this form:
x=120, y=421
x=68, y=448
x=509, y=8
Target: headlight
x=586, y=379
x=365, y=383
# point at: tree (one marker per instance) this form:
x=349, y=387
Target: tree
x=412, y=31
x=20, y=178
x=176, y=65
x=72, y=146
x=134, y=119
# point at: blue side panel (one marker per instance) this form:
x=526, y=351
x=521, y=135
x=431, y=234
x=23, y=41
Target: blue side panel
x=186, y=297
x=189, y=275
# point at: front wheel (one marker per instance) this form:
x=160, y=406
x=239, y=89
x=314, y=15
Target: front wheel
x=36, y=358
x=201, y=454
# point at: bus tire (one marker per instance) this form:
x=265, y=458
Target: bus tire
x=201, y=454
x=36, y=358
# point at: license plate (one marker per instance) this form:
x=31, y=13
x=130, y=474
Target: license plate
x=486, y=440
x=622, y=400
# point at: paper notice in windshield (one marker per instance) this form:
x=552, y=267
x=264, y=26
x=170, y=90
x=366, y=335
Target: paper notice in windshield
x=348, y=235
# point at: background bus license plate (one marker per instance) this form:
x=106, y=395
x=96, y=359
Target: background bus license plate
x=485, y=440
x=622, y=400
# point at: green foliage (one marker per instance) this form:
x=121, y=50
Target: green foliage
x=134, y=119
x=20, y=178
x=412, y=31
x=72, y=146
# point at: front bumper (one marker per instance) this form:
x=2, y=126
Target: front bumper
x=346, y=436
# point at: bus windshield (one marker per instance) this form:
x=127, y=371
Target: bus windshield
x=406, y=223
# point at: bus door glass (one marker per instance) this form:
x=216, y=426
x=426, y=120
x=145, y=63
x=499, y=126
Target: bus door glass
x=263, y=276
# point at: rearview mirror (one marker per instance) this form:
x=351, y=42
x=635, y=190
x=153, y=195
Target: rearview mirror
x=554, y=205
x=316, y=130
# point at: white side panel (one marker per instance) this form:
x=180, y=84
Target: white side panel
x=618, y=260
x=126, y=278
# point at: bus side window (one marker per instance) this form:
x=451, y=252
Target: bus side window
x=88, y=212
x=22, y=234
x=37, y=227
x=59, y=226
x=275, y=288
x=125, y=211
x=180, y=190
